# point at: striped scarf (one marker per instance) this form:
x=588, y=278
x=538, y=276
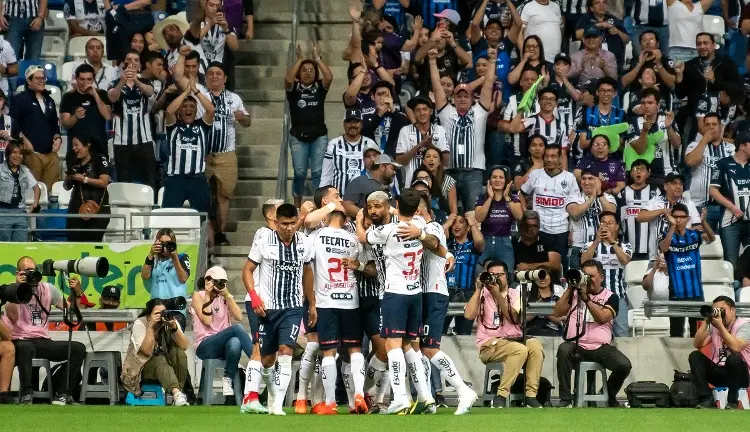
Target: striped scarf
x=462, y=138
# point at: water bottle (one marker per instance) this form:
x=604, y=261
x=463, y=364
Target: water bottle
x=54, y=202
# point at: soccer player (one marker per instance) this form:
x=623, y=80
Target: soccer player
x=401, y=306
x=283, y=257
x=250, y=402
x=435, y=308
x=337, y=306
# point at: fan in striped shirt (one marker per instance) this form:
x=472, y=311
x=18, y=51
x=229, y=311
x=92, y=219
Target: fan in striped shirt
x=518, y=143
x=188, y=142
x=631, y=201
x=702, y=155
x=614, y=254
x=211, y=31
x=546, y=123
x=343, y=160
x=26, y=18
x=414, y=139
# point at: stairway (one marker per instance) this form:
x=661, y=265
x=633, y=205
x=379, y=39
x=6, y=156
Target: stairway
x=260, y=68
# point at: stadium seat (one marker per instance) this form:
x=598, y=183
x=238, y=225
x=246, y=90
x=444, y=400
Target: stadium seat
x=634, y=272
x=55, y=93
x=586, y=385
x=654, y=326
x=711, y=291
x=96, y=361
x=742, y=295
x=56, y=25
x=131, y=195
x=715, y=25
x=77, y=46
x=187, y=226
x=575, y=46
x=43, y=197
x=66, y=73
x=53, y=49
x=717, y=272
x=127, y=230
x=487, y=393
x=160, y=196
x=206, y=386
x=712, y=251
x=63, y=196
x=38, y=365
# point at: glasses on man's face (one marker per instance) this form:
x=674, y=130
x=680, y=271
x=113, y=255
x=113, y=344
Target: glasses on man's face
x=606, y=91
x=599, y=144
x=40, y=78
x=608, y=223
x=498, y=274
x=532, y=227
x=679, y=217
x=548, y=99
x=639, y=169
x=424, y=178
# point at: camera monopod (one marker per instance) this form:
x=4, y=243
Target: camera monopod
x=68, y=312
x=525, y=279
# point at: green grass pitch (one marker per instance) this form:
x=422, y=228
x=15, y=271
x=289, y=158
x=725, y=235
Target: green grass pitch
x=220, y=418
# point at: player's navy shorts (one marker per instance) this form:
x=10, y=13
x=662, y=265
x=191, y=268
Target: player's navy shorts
x=252, y=318
x=402, y=315
x=306, y=319
x=434, y=311
x=279, y=327
x=339, y=328
x=369, y=315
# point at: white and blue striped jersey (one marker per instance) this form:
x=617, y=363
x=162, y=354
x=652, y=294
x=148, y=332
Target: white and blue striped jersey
x=613, y=269
x=132, y=121
x=279, y=284
x=631, y=202
x=223, y=134
x=702, y=174
x=187, y=147
x=343, y=161
x=433, y=265
x=733, y=181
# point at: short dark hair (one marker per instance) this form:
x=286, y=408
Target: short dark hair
x=607, y=80
x=215, y=64
x=656, y=35
x=548, y=90
x=193, y=55
x=714, y=115
x=554, y=147
x=709, y=35
x=603, y=136
x=650, y=91
x=408, y=202
x=286, y=210
x=640, y=162
x=382, y=84
x=151, y=56
x=680, y=207
x=725, y=299
x=321, y=193
x=593, y=263
x=424, y=197
x=607, y=213
x=535, y=136
x=84, y=68
x=495, y=263
x=352, y=67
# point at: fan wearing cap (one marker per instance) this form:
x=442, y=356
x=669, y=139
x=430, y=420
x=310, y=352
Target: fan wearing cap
x=465, y=123
x=451, y=56
x=85, y=18
x=615, y=35
x=169, y=34
x=380, y=177
x=36, y=114
x=593, y=62
x=344, y=158
x=387, y=122
x=213, y=308
x=438, y=13
x=414, y=139
x=211, y=30
x=543, y=18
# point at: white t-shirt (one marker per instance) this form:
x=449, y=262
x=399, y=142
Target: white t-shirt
x=403, y=257
x=258, y=233
x=433, y=266
x=544, y=21
x=466, y=152
x=584, y=228
x=102, y=78
x=335, y=285
x=138, y=333
x=660, y=225
x=684, y=25
x=409, y=137
x=550, y=197
x=8, y=58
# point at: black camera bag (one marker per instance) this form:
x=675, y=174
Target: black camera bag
x=647, y=394
x=683, y=392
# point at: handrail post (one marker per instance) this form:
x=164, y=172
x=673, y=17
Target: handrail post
x=281, y=182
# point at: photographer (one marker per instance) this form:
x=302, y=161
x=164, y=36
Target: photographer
x=730, y=352
x=7, y=363
x=156, y=352
x=15, y=181
x=88, y=177
x=496, y=307
x=215, y=337
x=28, y=325
x=544, y=291
x=590, y=309
x=167, y=269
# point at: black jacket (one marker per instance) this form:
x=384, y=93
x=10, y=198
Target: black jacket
x=37, y=126
x=398, y=121
x=726, y=77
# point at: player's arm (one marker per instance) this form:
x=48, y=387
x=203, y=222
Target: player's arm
x=413, y=232
x=308, y=279
x=247, y=278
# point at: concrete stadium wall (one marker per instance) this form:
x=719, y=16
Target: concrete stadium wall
x=653, y=358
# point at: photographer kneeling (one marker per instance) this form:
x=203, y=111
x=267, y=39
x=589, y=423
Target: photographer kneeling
x=730, y=353
x=28, y=325
x=215, y=337
x=167, y=269
x=157, y=352
x=499, y=335
x=590, y=310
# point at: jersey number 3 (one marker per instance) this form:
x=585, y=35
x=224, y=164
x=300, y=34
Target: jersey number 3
x=411, y=261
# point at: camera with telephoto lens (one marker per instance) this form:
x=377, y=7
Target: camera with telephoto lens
x=577, y=279
x=172, y=307
x=219, y=284
x=488, y=278
x=531, y=276
x=169, y=246
x=88, y=266
x=16, y=293
x=709, y=312
x=33, y=277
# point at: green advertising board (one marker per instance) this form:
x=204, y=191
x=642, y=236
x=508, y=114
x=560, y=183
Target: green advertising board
x=125, y=263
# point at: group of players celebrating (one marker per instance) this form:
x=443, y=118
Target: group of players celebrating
x=382, y=276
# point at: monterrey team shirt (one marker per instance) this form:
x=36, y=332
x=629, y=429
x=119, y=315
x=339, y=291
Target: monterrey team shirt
x=733, y=181
x=684, y=265
x=404, y=257
x=433, y=265
x=550, y=194
x=188, y=144
x=630, y=203
x=335, y=285
x=279, y=284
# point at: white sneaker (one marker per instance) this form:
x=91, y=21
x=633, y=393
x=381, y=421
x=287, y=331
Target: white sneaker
x=254, y=407
x=466, y=399
x=180, y=399
x=399, y=408
x=277, y=411
x=226, y=387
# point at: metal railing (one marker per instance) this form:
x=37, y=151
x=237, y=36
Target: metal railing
x=32, y=229
x=282, y=181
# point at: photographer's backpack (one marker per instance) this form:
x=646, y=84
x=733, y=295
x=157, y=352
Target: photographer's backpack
x=683, y=392
x=647, y=394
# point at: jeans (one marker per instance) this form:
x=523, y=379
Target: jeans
x=682, y=54
x=732, y=375
x=621, y=327
x=22, y=39
x=731, y=238
x=228, y=345
x=497, y=248
x=14, y=228
x=307, y=155
x=662, y=31
x=606, y=355
x=56, y=351
x=136, y=164
x=496, y=150
x=713, y=215
x=469, y=184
